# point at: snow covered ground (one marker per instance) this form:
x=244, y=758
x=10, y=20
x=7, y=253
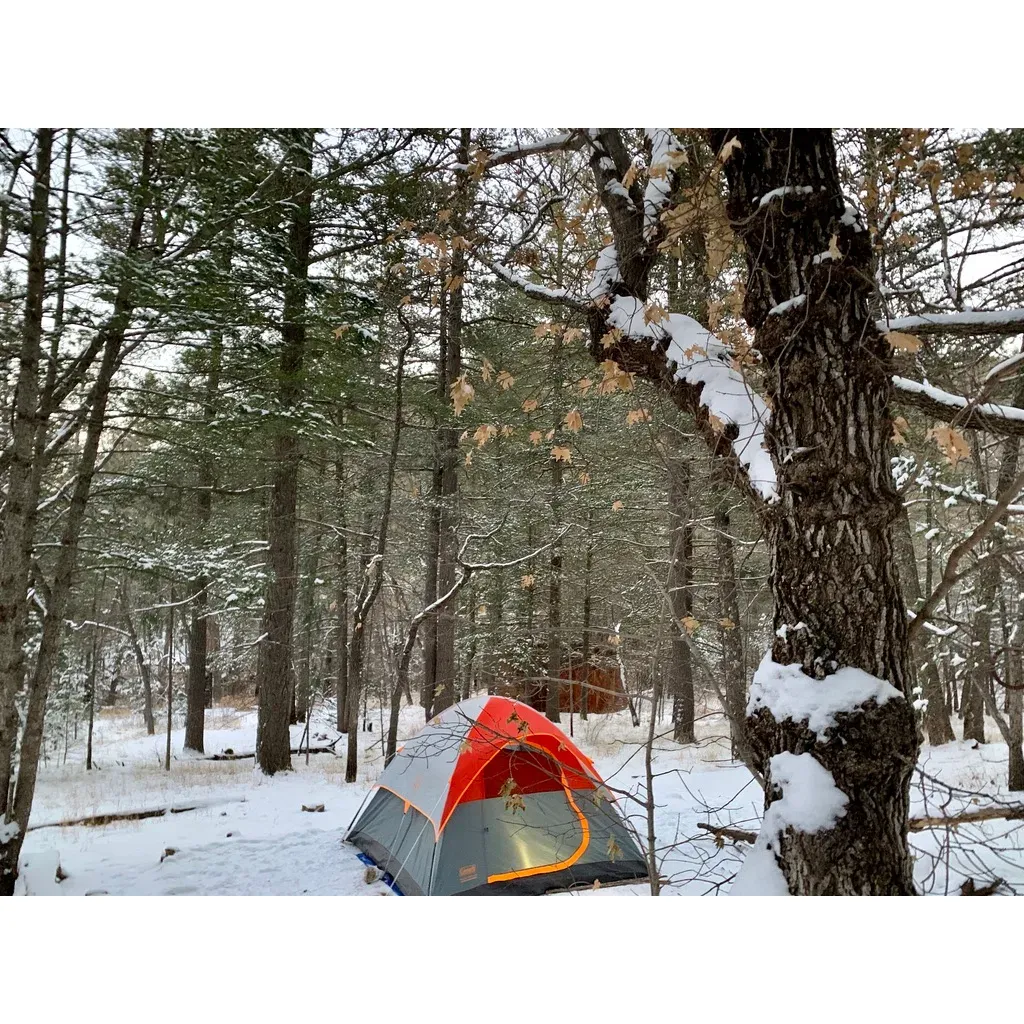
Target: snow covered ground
x=247, y=834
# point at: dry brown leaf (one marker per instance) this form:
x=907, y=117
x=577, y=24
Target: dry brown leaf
x=530, y=405
x=655, y=313
x=903, y=342
x=561, y=454
x=505, y=380
x=689, y=623
x=617, y=506
x=728, y=149
x=951, y=442
x=527, y=581
x=486, y=369
x=462, y=393
x=484, y=433
x=898, y=426
x=573, y=421
x=613, y=337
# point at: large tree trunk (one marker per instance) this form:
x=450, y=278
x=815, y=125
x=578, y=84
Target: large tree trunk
x=838, y=600
x=680, y=599
x=273, y=669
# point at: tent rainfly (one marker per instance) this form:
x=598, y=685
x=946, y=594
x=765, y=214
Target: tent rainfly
x=491, y=798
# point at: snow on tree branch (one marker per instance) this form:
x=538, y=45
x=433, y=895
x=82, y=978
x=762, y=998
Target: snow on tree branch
x=558, y=296
x=666, y=154
x=696, y=357
x=1005, y=321
x=999, y=419
x=551, y=144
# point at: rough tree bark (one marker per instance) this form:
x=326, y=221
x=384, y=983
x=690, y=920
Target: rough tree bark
x=273, y=668
x=830, y=534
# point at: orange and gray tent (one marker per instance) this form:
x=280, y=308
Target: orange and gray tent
x=491, y=798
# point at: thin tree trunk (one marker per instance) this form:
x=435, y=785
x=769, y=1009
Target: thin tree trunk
x=141, y=663
x=588, y=569
x=372, y=578
x=341, y=600
x=1015, y=709
x=274, y=662
x=730, y=631
x=680, y=599
x=169, y=658
x=20, y=504
x=198, y=637
x=936, y=721
x=109, y=341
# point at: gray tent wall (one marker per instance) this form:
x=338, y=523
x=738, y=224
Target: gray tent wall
x=486, y=837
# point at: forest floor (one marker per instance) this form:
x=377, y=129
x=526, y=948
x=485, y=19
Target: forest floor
x=246, y=834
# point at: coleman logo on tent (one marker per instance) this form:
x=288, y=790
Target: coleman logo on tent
x=489, y=798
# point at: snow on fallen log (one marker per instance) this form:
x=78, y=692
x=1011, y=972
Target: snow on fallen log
x=230, y=755
x=134, y=815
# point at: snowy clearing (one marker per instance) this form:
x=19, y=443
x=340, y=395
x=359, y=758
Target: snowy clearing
x=248, y=834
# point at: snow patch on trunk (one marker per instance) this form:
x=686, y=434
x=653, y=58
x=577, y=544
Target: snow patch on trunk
x=810, y=801
x=788, y=692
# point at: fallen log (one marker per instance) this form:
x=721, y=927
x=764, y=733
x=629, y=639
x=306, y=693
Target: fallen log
x=1010, y=812
x=106, y=819
x=232, y=756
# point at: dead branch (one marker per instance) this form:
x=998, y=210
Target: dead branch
x=950, y=576
x=721, y=833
